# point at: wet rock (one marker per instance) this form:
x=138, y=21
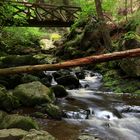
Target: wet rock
x=80, y=74
x=61, y=73
x=56, y=75
x=8, y=101
x=52, y=110
x=87, y=137
x=38, y=135
x=12, y=134
x=47, y=80
x=17, y=121
x=59, y=91
x=34, y=93
x=69, y=81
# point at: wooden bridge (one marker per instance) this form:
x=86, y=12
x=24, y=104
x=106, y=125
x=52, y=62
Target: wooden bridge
x=41, y=15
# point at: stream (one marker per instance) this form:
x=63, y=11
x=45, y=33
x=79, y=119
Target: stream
x=91, y=112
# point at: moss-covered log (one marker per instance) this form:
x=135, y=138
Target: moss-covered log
x=72, y=63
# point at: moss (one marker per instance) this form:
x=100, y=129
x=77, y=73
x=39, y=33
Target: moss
x=2, y=115
x=55, y=37
x=38, y=135
x=59, y=91
x=39, y=115
x=8, y=102
x=12, y=134
x=34, y=93
x=114, y=81
x=74, y=42
x=17, y=121
x=137, y=91
x=29, y=78
x=52, y=110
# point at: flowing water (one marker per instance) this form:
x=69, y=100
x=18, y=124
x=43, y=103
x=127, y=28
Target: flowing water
x=95, y=113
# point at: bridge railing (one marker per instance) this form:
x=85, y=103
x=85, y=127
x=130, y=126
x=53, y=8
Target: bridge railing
x=44, y=12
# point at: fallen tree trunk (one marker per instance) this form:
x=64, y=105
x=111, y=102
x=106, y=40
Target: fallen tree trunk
x=72, y=63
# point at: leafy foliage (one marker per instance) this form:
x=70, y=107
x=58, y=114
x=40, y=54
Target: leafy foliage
x=12, y=36
x=131, y=35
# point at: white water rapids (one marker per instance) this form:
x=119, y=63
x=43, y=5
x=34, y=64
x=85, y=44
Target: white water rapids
x=104, y=115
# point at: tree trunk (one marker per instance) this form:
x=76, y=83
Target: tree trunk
x=131, y=4
x=72, y=63
x=126, y=9
x=103, y=26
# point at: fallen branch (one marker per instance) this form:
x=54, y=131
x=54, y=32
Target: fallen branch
x=72, y=63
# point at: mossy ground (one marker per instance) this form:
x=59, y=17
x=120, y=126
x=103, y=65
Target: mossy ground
x=116, y=80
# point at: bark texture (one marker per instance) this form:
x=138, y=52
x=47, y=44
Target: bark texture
x=103, y=26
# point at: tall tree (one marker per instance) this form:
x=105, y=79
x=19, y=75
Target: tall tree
x=103, y=27
x=131, y=4
x=126, y=8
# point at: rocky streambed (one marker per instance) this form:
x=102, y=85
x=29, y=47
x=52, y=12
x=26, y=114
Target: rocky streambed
x=67, y=105
x=91, y=113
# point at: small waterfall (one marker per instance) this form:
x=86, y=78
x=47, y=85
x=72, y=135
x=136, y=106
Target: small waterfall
x=105, y=115
x=50, y=73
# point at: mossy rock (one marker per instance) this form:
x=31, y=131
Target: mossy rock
x=29, y=78
x=39, y=115
x=12, y=134
x=59, y=91
x=8, y=101
x=52, y=110
x=2, y=115
x=77, y=44
x=17, y=60
x=38, y=135
x=34, y=93
x=17, y=121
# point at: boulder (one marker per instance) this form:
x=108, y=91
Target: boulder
x=34, y=93
x=52, y=110
x=59, y=91
x=12, y=134
x=69, y=81
x=80, y=74
x=18, y=121
x=131, y=66
x=8, y=101
x=38, y=135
